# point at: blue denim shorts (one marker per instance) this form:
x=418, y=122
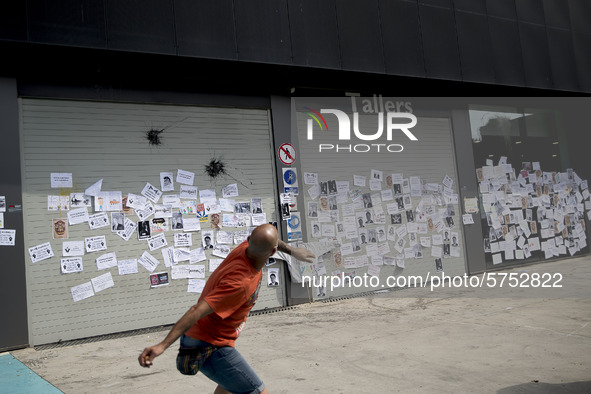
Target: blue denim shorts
x=227, y=368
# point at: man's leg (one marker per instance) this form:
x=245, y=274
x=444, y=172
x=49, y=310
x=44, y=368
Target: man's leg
x=231, y=372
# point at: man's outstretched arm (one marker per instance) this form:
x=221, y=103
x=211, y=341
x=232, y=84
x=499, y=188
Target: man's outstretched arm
x=299, y=253
x=196, y=312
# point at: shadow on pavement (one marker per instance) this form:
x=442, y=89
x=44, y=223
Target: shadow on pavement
x=542, y=388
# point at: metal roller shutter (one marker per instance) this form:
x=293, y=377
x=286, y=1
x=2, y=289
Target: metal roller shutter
x=104, y=140
x=431, y=158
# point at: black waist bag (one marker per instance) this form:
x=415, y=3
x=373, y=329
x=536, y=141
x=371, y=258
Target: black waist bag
x=190, y=360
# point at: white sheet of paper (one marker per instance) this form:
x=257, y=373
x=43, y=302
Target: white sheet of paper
x=183, y=240
x=130, y=227
x=77, y=216
x=310, y=178
x=157, y=242
x=191, y=224
x=214, y=263
x=436, y=251
x=468, y=218
x=145, y=212
x=107, y=260
x=148, y=261
x=40, y=252
x=224, y=237
x=384, y=248
x=172, y=199
x=181, y=254
x=151, y=192
x=207, y=195
x=196, y=271
x=230, y=191
x=136, y=201
x=94, y=244
x=162, y=211
x=314, y=192
x=69, y=265
x=7, y=237
x=387, y=195
x=497, y=258
x=168, y=256
x=114, y=201
x=127, y=267
x=166, y=181
x=179, y=272
x=197, y=255
x=98, y=220
x=359, y=180
x=185, y=177
x=196, y=285
x=373, y=270
x=447, y=181
x=346, y=249
x=221, y=251
x=61, y=180
x=375, y=185
x=227, y=204
x=72, y=248
x=102, y=282
x=212, y=206
x=259, y=218
x=94, y=189
x=82, y=291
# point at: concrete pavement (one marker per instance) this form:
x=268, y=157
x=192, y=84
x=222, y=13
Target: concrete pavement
x=454, y=340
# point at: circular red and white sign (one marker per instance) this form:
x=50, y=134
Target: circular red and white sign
x=287, y=154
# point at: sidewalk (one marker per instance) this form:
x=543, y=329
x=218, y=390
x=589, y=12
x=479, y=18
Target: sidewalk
x=458, y=340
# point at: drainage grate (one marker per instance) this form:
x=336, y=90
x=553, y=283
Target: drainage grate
x=272, y=310
x=364, y=294
x=103, y=337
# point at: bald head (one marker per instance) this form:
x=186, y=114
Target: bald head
x=263, y=241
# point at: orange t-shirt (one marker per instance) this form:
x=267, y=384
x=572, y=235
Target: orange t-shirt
x=231, y=291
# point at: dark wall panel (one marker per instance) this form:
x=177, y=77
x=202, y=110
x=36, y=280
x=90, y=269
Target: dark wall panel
x=360, y=35
x=401, y=33
x=205, y=28
x=508, y=60
x=440, y=43
x=13, y=20
x=475, y=47
x=562, y=59
x=502, y=9
x=580, y=12
x=67, y=22
x=438, y=3
x=314, y=33
x=582, y=43
x=531, y=11
x=536, y=58
x=141, y=26
x=262, y=31
x=13, y=292
x=557, y=14
x=471, y=5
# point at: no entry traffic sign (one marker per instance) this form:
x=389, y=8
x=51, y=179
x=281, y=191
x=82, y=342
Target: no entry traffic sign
x=287, y=154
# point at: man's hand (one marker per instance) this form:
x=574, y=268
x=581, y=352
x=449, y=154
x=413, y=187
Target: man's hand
x=149, y=354
x=194, y=313
x=303, y=254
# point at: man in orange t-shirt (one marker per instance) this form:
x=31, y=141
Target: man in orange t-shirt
x=220, y=314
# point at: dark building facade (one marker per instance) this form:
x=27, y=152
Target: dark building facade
x=255, y=56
